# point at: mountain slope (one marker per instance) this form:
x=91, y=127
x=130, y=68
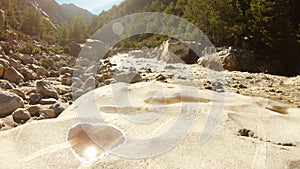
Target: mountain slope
x=71, y=11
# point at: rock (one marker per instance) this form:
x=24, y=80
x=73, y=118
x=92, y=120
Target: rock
x=2, y=21
x=75, y=49
x=203, y=61
x=176, y=52
x=26, y=59
x=66, y=81
x=34, y=98
x=91, y=82
x=1, y=70
x=18, y=92
x=65, y=70
x=34, y=111
x=4, y=84
x=47, y=101
x=4, y=63
x=46, y=89
x=47, y=63
x=245, y=133
x=2, y=124
x=28, y=73
x=41, y=71
x=9, y=102
x=57, y=108
x=21, y=116
x=129, y=77
x=16, y=63
x=12, y=75
x=47, y=113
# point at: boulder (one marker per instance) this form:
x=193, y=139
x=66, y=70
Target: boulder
x=47, y=63
x=91, y=82
x=21, y=116
x=57, y=108
x=12, y=75
x=128, y=77
x=34, y=98
x=4, y=84
x=46, y=89
x=9, y=102
x=28, y=73
x=47, y=113
x=34, y=111
x=172, y=51
x=18, y=92
x=75, y=49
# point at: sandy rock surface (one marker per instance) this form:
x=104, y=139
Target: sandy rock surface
x=213, y=139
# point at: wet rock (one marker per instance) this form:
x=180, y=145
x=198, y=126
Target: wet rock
x=34, y=111
x=47, y=101
x=46, y=89
x=57, y=108
x=34, y=98
x=12, y=75
x=9, y=102
x=128, y=77
x=21, y=116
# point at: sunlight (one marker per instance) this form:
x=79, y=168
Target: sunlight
x=90, y=152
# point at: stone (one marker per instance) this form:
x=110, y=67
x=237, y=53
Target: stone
x=46, y=89
x=91, y=82
x=34, y=111
x=173, y=51
x=57, y=108
x=2, y=20
x=9, y=102
x=47, y=63
x=16, y=63
x=18, y=92
x=21, y=116
x=75, y=48
x=128, y=77
x=1, y=70
x=34, y=98
x=26, y=59
x=4, y=63
x=12, y=75
x=4, y=84
x=47, y=101
x=203, y=61
x=47, y=113
x=66, y=81
x=28, y=73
